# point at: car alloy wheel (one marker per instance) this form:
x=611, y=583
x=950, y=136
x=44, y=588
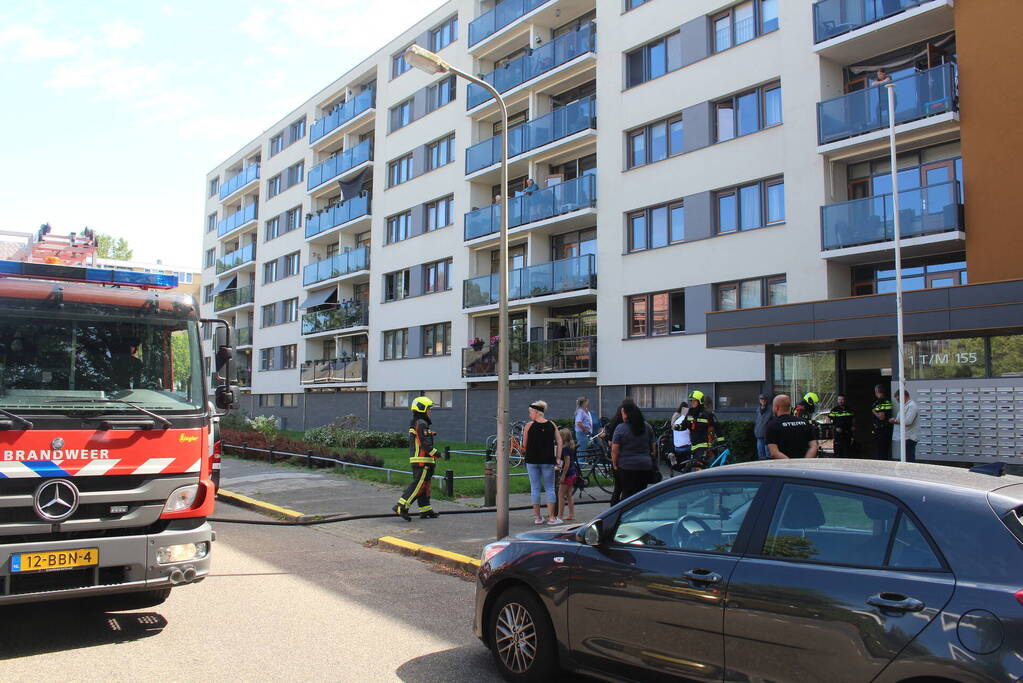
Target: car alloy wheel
x=515, y=638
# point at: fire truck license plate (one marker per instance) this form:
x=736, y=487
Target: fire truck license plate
x=54, y=559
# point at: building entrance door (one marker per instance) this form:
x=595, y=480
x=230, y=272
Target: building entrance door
x=859, y=396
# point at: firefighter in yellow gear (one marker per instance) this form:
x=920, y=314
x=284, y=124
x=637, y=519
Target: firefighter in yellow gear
x=423, y=459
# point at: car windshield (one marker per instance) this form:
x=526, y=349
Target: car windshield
x=69, y=362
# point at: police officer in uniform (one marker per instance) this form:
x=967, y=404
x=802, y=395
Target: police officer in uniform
x=882, y=412
x=423, y=459
x=842, y=421
x=702, y=426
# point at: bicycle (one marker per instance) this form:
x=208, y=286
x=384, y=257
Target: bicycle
x=595, y=464
x=515, y=452
x=721, y=452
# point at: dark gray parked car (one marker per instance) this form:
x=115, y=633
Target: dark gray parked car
x=802, y=570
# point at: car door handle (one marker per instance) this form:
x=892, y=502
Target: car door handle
x=702, y=575
x=895, y=601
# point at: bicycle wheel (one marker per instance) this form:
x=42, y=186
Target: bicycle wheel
x=602, y=475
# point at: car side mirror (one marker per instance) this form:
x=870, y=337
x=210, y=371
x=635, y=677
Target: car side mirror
x=224, y=397
x=591, y=534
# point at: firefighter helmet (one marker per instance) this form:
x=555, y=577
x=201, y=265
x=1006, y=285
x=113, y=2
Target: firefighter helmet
x=421, y=404
x=811, y=399
x=696, y=395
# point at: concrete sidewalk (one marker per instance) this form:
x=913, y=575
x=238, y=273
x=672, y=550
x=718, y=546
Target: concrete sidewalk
x=317, y=492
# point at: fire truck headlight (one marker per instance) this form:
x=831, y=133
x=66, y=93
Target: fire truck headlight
x=182, y=498
x=183, y=552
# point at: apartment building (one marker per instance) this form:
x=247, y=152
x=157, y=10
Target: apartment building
x=189, y=278
x=684, y=176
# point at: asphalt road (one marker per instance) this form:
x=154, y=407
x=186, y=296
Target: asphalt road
x=282, y=603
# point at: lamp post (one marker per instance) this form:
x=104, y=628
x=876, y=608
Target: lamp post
x=899, y=336
x=431, y=63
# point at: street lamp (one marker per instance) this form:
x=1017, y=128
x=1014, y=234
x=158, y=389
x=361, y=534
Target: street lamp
x=899, y=335
x=431, y=63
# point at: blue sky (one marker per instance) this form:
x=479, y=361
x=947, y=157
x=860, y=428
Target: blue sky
x=116, y=110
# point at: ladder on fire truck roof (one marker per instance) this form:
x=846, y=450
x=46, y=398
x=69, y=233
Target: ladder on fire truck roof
x=42, y=246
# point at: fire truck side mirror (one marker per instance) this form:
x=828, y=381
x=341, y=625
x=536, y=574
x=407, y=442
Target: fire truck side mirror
x=224, y=397
x=224, y=356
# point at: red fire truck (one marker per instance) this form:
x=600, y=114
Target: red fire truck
x=105, y=434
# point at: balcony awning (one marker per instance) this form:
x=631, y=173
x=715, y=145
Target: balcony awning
x=319, y=298
x=224, y=285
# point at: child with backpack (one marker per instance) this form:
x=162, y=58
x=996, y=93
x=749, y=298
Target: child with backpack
x=569, y=474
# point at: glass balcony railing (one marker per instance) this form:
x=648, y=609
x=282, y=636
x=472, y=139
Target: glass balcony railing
x=234, y=183
x=333, y=370
x=554, y=277
x=342, y=163
x=560, y=123
x=562, y=49
x=244, y=376
x=922, y=211
x=573, y=195
x=575, y=354
x=489, y=23
x=336, y=266
x=236, y=258
x=834, y=17
x=340, y=214
x=917, y=96
x=364, y=101
x=339, y=318
x=234, y=297
x=236, y=220
x=243, y=336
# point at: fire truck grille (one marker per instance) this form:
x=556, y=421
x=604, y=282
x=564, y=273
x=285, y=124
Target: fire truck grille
x=21, y=584
x=91, y=511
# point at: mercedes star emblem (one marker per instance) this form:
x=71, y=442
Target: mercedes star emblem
x=57, y=444
x=56, y=500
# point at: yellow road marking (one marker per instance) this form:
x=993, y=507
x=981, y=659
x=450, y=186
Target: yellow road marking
x=258, y=504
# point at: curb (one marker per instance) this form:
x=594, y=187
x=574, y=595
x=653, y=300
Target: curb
x=257, y=505
x=439, y=555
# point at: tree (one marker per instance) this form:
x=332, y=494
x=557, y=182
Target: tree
x=113, y=248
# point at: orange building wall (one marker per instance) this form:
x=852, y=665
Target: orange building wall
x=989, y=43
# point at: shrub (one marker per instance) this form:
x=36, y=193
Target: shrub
x=740, y=439
x=236, y=419
x=286, y=445
x=267, y=425
x=336, y=435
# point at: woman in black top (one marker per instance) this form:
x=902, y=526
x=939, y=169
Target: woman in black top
x=542, y=443
x=632, y=451
x=606, y=433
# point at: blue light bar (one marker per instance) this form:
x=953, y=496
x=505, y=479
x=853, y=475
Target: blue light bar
x=104, y=276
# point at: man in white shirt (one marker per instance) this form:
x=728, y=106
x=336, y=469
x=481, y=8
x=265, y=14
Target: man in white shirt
x=907, y=418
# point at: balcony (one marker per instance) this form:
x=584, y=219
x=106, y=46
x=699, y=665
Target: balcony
x=236, y=258
x=573, y=195
x=544, y=279
x=362, y=102
x=237, y=220
x=489, y=23
x=548, y=56
x=244, y=377
x=243, y=336
x=849, y=31
x=333, y=371
x=917, y=96
x=343, y=317
x=576, y=117
x=575, y=356
x=336, y=266
x=345, y=212
x=237, y=182
x=339, y=165
x=234, y=297
x=930, y=218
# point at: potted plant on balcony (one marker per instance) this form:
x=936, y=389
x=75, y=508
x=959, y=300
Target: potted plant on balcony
x=476, y=343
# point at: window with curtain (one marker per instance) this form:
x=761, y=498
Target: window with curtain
x=656, y=314
x=743, y=22
x=751, y=206
x=748, y=112
x=750, y=293
x=657, y=226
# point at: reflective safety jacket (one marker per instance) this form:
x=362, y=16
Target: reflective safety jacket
x=882, y=405
x=842, y=418
x=420, y=443
x=702, y=426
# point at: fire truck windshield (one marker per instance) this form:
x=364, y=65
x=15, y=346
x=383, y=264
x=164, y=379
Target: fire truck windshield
x=57, y=361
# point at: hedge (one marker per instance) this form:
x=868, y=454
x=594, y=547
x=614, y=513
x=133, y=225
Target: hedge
x=285, y=444
x=333, y=436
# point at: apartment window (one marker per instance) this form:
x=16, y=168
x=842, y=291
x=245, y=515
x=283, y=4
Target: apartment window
x=211, y=258
x=657, y=226
x=289, y=400
x=268, y=315
x=440, y=213
x=737, y=394
x=633, y=4
x=290, y=309
x=657, y=314
x=740, y=23
x=214, y=186
x=266, y=359
x=276, y=144
x=293, y=219
x=207, y=294
x=399, y=227
x=667, y=396
x=441, y=399
x=273, y=186
x=395, y=399
x=439, y=94
x=655, y=142
x=653, y=60
x=396, y=285
x=436, y=276
x=296, y=131
x=272, y=229
x=211, y=222
x=395, y=344
x=401, y=115
x=440, y=153
x=291, y=264
x=444, y=35
x=749, y=111
x=399, y=170
x=752, y=206
x=269, y=272
x=751, y=293
x=437, y=339
x=295, y=174
x=269, y=400
x=289, y=356
x=398, y=63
